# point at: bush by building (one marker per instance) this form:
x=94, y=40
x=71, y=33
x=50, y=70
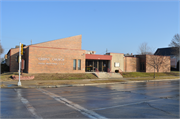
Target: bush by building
x=4, y=68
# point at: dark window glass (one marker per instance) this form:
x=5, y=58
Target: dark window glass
x=74, y=64
x=79, y=64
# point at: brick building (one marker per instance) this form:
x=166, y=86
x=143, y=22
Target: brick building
x=147, y=63
x=57, y=56
x=66, y=56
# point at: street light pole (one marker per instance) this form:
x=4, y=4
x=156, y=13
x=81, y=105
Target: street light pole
x=19, y=83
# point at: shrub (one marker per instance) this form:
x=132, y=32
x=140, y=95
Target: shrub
x=4, y=68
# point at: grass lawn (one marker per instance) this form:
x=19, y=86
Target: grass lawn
x=79, y=76
x=64, y=76
x=7, y=76
x=144, y=74
x=148, y=78
x=175, y=71
x=108, y=81
x=52, y=76
x=65, y=82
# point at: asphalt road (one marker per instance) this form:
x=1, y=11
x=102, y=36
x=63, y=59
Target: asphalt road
x=133, y=100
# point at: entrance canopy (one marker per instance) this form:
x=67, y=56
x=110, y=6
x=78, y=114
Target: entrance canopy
x=98, y=57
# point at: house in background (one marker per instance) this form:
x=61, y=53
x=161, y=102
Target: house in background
x=173, y=52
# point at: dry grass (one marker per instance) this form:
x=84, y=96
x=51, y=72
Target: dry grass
x=108, y=81
x=77, y=82
x=64, y=76
x=55, y=83
x=7, y=76
x=52, y=76
x=142, y=79
x=144, y=74
x=2, y=85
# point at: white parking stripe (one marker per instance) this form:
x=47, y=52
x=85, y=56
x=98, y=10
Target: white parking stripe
x=29, y=107
x=82, y=110
x=126, y=104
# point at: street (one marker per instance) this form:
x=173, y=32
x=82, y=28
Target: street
x=156, y=99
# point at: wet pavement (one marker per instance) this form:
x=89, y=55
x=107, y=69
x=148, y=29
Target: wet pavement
x=134, y=100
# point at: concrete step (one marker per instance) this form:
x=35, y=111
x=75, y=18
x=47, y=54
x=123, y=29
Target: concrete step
x=107, y=75
x=115, y=75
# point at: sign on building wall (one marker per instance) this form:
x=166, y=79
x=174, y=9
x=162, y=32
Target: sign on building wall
x=116, y=64
x=50, y=59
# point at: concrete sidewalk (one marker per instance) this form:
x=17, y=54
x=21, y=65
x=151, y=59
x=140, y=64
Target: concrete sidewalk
x=65, y=83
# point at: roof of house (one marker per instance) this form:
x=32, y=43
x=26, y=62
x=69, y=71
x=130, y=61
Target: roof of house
x=167, y=51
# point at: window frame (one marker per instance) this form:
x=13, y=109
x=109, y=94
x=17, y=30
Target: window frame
x=79, y=68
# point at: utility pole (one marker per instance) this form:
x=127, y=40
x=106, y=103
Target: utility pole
x=31, y=41
x=19, y=83
x=106, y=50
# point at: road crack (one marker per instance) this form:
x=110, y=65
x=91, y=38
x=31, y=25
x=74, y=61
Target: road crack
x=169, y=97
x=160, y=109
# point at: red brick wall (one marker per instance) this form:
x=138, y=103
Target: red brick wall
x=73, y=42
x=37, y=65
x=131, y=64
x=14, y=66
x=163, y=63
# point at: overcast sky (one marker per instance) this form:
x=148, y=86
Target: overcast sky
x=119, y=26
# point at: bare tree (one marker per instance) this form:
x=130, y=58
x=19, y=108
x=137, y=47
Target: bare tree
x=157, y=63
x=175, y=43
x=1, y=49
x=144, y=49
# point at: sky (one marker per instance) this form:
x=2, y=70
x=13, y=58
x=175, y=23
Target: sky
x=115, y=25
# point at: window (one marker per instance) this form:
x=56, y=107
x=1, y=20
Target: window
x=74, y=64
x=79, y=64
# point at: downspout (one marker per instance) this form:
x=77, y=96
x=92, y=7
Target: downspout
x=28, y=60
x=110, y=65
x=126, y=64
x=10, y=61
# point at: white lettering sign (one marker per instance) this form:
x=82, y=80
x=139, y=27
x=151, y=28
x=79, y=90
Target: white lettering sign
x=53, y=59
x=116, y=64
x=49, y=63
x=52, y=63
x=41, y=63
x=57, y=59
x=43, y=58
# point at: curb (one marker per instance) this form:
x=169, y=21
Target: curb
x=153, y=80
x=91, y=84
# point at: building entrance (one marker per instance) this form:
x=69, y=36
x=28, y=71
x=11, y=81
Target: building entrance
x=97, y=65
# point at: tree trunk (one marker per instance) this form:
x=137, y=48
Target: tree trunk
x=157, y=69
x=154, y=72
